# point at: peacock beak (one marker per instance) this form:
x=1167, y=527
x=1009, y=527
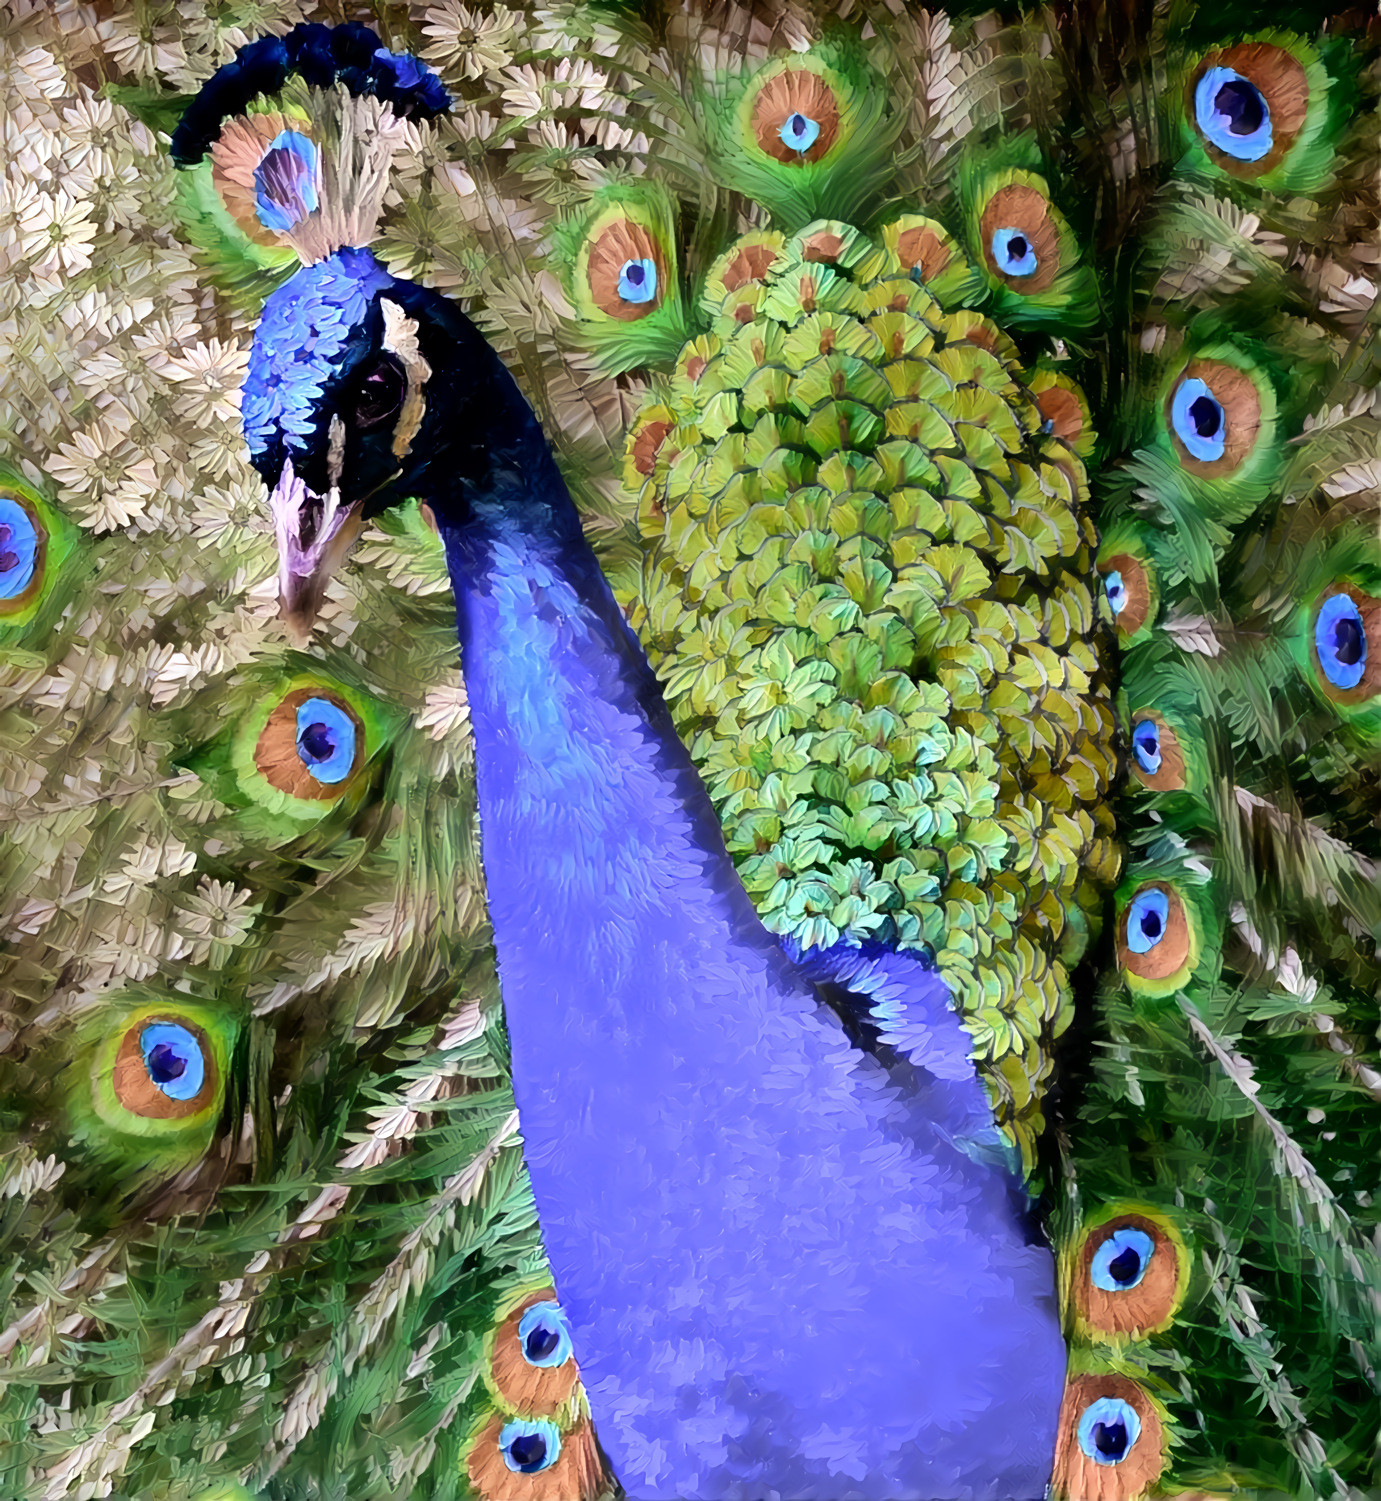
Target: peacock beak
x=315, y=532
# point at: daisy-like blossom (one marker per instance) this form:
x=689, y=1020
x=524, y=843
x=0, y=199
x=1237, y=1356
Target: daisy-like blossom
x=146, y=51
x=33, y=76
x=469, y=42
x=208, y=377
x=96, y=459
x=55, y=233
x=95, y=136
x=574, y=83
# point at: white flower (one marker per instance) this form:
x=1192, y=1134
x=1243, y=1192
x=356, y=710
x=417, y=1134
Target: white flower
x=93, y=136
x=209, y=376
x=35, y=75
x=469, y=42
x=55, y=234
x=447, y=709
x=103, y=474
x=145, y=50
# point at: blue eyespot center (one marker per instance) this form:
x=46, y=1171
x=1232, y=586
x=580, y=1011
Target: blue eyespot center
x=1116, y=590
x=325, y=740
x=285, y=181
x=1013, y=253
x=1199, y=421
x=1146, y=745
x=529, y=1446
x=1340, y=638
x=1108, y=1428
x=1233, y=115
x=638, y=280
x=1146, y=920
x=799, y=132
x=1121, y=1262
x=18, y=548
x=174, y=1060
x=544, y=1335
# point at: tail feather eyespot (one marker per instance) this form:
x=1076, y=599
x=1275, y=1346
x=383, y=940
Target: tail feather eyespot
x=1129, y=1275
x=312, y=742
x=152, y=1090
x=1345, y=644
x=1158, y=938
x=532, y=1460
x=795, y=117
x=1110, y=1444
x=1214, y=415
x=1157, y=757
x=532, y=1370
x=23, y=549
x=1251, y=104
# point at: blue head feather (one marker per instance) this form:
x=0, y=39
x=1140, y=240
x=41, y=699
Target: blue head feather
x=306, y=326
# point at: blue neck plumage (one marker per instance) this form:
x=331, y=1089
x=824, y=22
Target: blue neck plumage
x=783, y=1274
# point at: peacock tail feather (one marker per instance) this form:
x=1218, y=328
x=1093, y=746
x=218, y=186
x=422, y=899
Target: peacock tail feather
x=977, y=419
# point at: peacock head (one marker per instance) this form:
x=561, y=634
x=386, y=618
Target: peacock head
x=363, y=391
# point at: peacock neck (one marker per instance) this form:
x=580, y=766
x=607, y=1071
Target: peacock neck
x=694, y=1118
x=575, y=748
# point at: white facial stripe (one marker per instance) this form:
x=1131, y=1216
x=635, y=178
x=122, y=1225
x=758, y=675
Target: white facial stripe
x=335, y=451
x=400, y=338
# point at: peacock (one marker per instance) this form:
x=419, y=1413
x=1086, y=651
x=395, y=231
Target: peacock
x=690, y=719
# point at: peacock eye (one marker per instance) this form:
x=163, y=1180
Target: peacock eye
x=325, y=740
x=1199, y=420
x=1013, y=252
x=1147, y=918
x=638, y=280
x=19, y=548
x=529, y=1446
x=1116, y=590
x=1108, y=1429
x=164, y=1070
x=544, y=1335
x=1146, y=745
x=1233, y=114
x=174, y=1059
x=378, y=394
x=799, y=132
x=1121, y=1261
x=1340, y=639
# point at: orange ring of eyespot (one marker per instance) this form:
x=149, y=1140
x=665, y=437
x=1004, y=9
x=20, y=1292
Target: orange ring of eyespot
x=1370, y=610
x=577, y=1475
x=27, y=594
x=1281, y=81
x=795, y=91
x=138, y=1093
x=750, y=264
x=1166, y=957
x=1060, y=408
x=1020, y=207
x=536, y=1390
x=922, y=247
x=235, y=154
x=1170, y=777
x=1145, y=1308
x=618, y=243
x=1236, y=393
x=1137, y=587
x=1077, y=1477
x=276, y=755
x=647, y=443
